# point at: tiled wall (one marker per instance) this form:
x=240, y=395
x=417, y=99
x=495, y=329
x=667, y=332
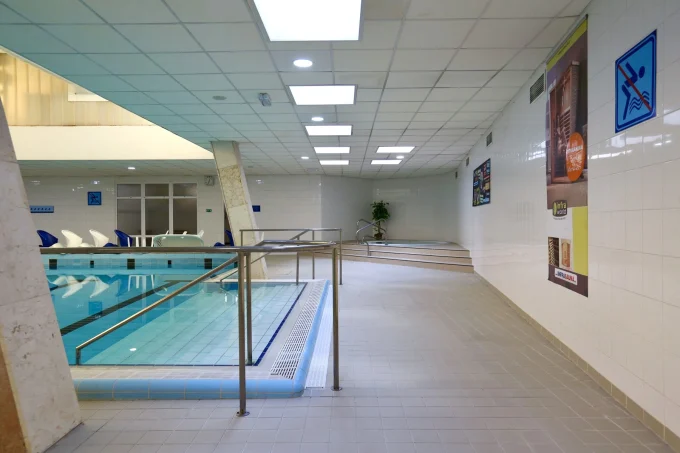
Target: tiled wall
x=629, y=327
x=71, y=212
x=420, y=208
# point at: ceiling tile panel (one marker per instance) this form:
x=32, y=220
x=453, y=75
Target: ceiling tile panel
x=434, y=106
x=427, y=34
x=148, y=83
x=553, y=33
x=421, y=60
x=230, y=97
x=52, y=12
x=131, y=11
x=174, y=97
x=67, y=64
x=210, y=10
x=227, y=37
x=510, y=79
x=185, y=63
x=361, y=60
x=464, y=79
x=451, y=94
x=412, y=79
x=481, y=59
x=362, y=80
x=504, y=33
x=307, y=78
x=204, y=82
x=529, y=59
x=496, y=94
x=446, y=9
x=91, y=38
x=159, y=38
x=102, y=83
x=256, y=81
x=190, y=109
x=524, y=8
x=135, y=63
x=243, y=61
x=405, y=94
x=375, y=35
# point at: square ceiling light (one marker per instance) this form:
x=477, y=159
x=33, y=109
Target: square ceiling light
x=323, y=94
x=385, y=162
x=334, y=162
x=395, y=149
x=329, y=130
x=331, y=149
x=310, y=20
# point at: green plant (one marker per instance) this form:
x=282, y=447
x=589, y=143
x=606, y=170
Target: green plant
x=380, y=214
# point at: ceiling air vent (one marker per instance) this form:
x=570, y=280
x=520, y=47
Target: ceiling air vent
x=489, y=139
x=537, y=88
x=456, y=175
x=467, y=161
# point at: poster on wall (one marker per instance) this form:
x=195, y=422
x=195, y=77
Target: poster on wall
x=481, y=184
x=567, y=163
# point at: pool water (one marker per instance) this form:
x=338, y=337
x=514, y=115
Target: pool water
x=198, y=327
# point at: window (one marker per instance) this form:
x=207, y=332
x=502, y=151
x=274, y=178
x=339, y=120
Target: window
x=166, y=207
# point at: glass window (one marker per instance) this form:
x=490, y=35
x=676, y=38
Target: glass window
x=184, y=215
x=129, y=190
x=184, y=190
x=130, y=216
x=157, y=216
x=157, y=190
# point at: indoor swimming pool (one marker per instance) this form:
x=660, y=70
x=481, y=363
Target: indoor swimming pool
x=197, y=327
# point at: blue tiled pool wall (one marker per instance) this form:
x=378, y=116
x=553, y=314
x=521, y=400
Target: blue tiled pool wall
x=135, y=261
x=194, y=389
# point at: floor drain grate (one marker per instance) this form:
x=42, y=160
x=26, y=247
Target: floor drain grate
x=287, y=360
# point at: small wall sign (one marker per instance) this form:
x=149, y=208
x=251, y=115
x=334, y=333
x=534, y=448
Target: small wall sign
x=94, y=198
x=42, y=209
x=256, y=208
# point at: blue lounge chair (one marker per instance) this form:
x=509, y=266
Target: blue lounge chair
x=125, y=239
x=47, y=239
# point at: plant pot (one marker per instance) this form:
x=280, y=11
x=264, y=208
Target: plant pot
x=378, y=236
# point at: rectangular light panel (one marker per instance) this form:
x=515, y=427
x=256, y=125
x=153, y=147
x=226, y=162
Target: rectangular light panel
x=385, y=162
x=334, y=162
x=331, y=149
x=323, y=94
x=310, y=20
x=328, y=130
x=395, y=149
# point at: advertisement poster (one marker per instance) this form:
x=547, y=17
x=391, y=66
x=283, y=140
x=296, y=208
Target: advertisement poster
x=481, y=184
x=567, y=163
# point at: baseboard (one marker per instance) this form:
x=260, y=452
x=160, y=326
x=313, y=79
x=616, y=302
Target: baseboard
x=658, y=428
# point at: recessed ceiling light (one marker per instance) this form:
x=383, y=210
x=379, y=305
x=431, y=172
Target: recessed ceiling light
x=400, y=157
x=334, y=162
x=305, y=158
x=317, y=119
x=395, y=149
x=303, y=63
x=331, y=149
x=310, y=20
x=220, y=98
x=133, y=349
x=131, y=168
x=323, y=94
x=328, y=130
x=385, y=162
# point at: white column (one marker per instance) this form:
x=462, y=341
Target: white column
x=36, y=389
x=237, y=198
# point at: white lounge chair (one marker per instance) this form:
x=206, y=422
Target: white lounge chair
x=73, y=240
x=200, y=234
x=100, y=240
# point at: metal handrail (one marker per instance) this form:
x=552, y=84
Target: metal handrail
x=303, y=231
x=282, y=247
x=369, y=224
x=233, y=271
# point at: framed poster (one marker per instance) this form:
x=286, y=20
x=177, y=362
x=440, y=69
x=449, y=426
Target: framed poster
x=481, y=184
x=567, y=163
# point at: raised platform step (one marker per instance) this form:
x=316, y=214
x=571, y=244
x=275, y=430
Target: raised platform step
x=454, y=251
x=422, y=263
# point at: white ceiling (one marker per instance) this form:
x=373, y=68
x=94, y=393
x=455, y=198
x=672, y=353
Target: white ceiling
x=430, y=73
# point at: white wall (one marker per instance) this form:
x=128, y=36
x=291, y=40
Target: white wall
x=629, y=327
x=71, y=212
x=420, y=208
x=344, y=201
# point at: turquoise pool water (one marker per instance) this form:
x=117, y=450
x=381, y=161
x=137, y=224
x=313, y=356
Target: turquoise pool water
x=198, y=327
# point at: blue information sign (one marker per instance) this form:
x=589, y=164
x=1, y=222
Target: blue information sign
x=94, y=198
x=636, y=84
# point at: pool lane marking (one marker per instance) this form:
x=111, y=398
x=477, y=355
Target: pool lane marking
x=85, y=321
x=644, y=101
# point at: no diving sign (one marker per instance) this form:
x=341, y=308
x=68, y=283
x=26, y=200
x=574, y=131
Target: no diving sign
x=636, y=84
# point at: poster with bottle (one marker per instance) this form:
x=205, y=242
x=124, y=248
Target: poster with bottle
x=567, y=162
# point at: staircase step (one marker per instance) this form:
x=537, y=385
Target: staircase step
x=432, y=251
x=436, y=263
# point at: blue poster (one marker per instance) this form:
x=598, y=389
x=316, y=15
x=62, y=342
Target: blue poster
x=636, y=84
x=94, y=198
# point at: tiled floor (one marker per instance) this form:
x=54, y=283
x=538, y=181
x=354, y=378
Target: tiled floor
x=431, y=362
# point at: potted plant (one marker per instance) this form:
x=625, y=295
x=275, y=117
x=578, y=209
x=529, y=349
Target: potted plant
x=380, y=214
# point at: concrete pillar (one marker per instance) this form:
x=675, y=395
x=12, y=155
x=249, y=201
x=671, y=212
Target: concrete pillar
x=237, y=198
x=38, y=403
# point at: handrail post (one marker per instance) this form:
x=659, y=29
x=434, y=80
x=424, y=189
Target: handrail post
x=313, y=260
x=249, y=305
x=242, y=412
x=341, y=256
x=297, y=268
x=336, y=345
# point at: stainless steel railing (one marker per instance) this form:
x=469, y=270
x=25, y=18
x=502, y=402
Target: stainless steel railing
x=297, y=236
x=368, y=225
x=243, y=257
